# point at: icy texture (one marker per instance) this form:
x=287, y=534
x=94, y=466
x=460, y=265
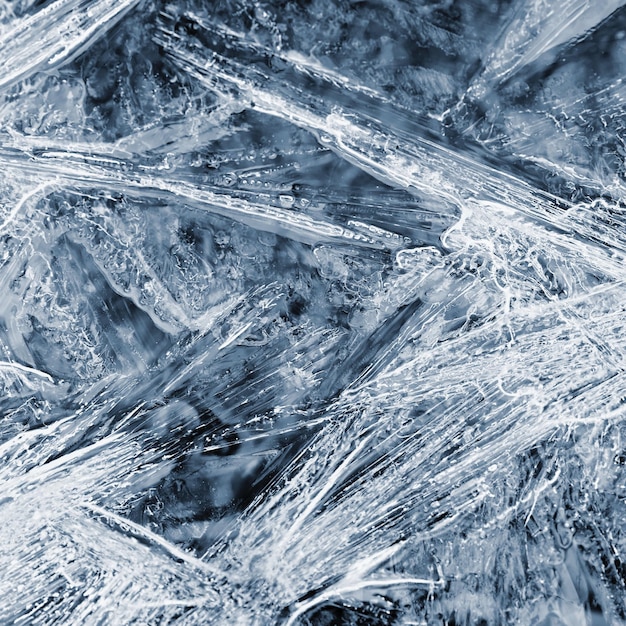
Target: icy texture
x=312, y=313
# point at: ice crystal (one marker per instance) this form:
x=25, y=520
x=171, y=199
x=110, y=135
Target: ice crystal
x=312, y=313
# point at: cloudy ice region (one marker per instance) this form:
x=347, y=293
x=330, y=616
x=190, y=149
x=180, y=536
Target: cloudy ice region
x=313, y=312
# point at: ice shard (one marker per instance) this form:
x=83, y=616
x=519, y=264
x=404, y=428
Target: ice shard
x=312, y=313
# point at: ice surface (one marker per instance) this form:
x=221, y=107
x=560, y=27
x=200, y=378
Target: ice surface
x=312, y=313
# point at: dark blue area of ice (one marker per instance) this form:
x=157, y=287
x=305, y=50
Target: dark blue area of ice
x=312, y=312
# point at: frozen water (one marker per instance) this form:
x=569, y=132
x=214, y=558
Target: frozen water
x=312, y=313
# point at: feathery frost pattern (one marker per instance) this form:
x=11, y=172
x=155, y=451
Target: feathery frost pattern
x=313, y=313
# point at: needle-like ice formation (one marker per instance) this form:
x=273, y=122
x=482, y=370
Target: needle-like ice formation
x=312, y=313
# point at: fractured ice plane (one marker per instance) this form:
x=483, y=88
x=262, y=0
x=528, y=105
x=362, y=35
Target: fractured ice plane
x=312, y=313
